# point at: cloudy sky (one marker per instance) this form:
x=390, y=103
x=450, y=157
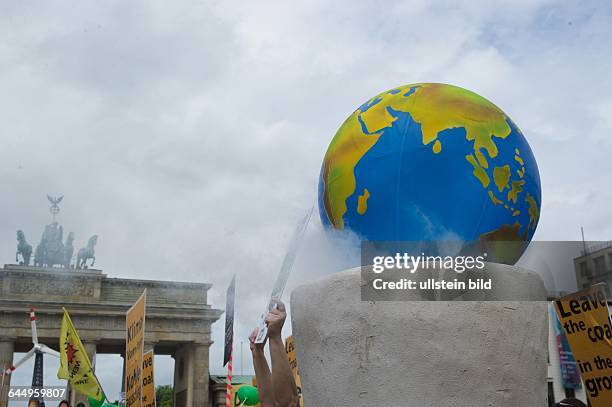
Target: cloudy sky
x=189, y=135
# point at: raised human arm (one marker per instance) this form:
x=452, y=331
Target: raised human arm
x=262, y=372
x=283, y=384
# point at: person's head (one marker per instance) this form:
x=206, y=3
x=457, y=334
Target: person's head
x=63, y=403
x=570, y=402
x=81, y=405
x=33, y=403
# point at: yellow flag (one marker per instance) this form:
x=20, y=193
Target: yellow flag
x=74, y=362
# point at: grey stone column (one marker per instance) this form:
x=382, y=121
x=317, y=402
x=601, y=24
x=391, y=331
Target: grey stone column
x=123, y=372
x=7, y=347
x=148, y=345
x=77, y=397
x=200, y=375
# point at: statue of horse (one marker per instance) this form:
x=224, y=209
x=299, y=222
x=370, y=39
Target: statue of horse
x=68, y=249
x=87, y=253
x=23, y=248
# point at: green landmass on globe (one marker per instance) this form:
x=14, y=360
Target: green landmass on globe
x=430, y=161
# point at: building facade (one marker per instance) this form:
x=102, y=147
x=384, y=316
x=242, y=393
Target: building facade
x=594, y=266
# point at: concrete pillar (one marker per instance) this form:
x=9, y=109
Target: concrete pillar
x=77, y=397
x=200, y=375
x=7, y=347
x=183, y=376
x=421, y=353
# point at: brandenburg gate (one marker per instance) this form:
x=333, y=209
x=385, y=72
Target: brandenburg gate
x=178, y=319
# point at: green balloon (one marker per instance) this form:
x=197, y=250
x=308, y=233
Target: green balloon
x=248, y=395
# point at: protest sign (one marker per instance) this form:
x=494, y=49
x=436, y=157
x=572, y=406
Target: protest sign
x=229, y=320
x=567, y=363
x=134, y=346
x=291, y=355
x=148, y=384
x=585, y=321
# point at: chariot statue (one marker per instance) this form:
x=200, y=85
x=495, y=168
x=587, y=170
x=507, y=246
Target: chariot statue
x=53, y=251
x=50, y=251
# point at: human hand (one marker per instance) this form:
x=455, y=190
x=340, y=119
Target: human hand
x=256, y=347
x=276, y=319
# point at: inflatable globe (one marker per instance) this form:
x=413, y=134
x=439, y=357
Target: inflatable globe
x=429, y=162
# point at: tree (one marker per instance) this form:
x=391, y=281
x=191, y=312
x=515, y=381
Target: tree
x=163, y=396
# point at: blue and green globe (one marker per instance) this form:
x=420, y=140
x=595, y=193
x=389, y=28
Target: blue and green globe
x=430, y=161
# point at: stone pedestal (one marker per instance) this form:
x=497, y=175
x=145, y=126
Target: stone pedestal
x=420, y=353
x=6, y=360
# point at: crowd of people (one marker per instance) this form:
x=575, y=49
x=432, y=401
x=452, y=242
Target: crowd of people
x=63, y=403
x=276, y=385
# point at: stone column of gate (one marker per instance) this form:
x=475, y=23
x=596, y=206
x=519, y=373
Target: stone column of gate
x=148, y=345
x=7, y=347
x=200, y=374
x=77, y=397
x=122, y=371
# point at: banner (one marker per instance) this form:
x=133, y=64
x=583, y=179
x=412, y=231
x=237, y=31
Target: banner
x=585, y=321
x=569, y=370
x=74, y=362
x=229, y=320
x=148, y=384
x=291, y=355
x=134, y=346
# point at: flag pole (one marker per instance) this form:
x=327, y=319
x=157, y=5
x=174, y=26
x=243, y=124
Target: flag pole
x=2, y=386
x=228, y=386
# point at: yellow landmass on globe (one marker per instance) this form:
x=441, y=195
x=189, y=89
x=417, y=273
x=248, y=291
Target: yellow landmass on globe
x=518, y=160
x=437, y=147
x=481, y=159
x=362, y=202
x=377, y=117
x=494, y=199
x=478, y=172
x=501, y=176
x=345, y=150
x=534, y=212
x=441, y=107
x=505, y=233
x=499, y=243
x=517, y=187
